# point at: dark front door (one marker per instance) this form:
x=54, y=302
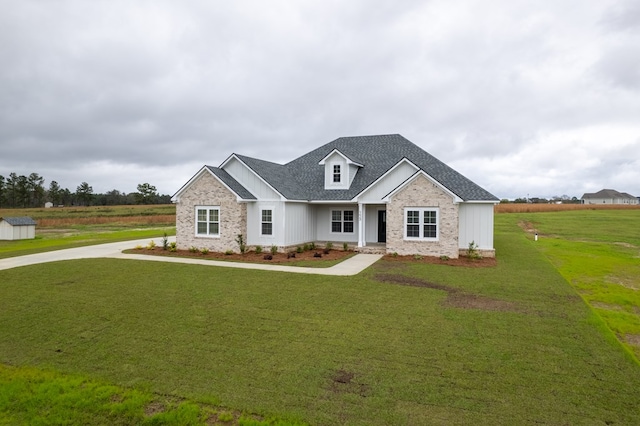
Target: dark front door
x=382, y=226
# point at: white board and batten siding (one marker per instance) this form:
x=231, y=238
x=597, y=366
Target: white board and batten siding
x=250, y=181
x=476, y=224
x=11, y=232
x=323, y=223
x=300, y=227
x=388, y=183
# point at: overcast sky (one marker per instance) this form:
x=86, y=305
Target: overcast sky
x=524, y=97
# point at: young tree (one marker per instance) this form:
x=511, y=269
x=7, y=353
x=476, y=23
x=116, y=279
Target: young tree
x=84, y=192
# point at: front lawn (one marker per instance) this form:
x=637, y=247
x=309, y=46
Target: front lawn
x=401, y=343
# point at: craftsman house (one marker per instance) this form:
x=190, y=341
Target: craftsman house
x=376, y=193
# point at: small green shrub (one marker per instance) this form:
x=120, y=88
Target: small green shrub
x=151, y=245
x=228, y=252
x=329, y=245
x=306, y=247
x=472, y=251
x=258, y=249
x=139, y=247
x=299, y=249
x=274, y=249
x=165, y=241
x=193, y=249
x=444, y=257
x=312, y=246
x=418, y=257
x=345, y=246
x=394, y=254
x=173, y=247
x=204, y=250
x=241, y=243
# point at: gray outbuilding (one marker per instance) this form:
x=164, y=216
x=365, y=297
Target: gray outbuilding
x=17, y=228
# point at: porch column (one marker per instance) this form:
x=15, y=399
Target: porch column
x=361, y=215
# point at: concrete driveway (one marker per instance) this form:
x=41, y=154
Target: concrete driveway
x=351, y=266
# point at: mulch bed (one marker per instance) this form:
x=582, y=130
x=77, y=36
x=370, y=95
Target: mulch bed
x=251, y=256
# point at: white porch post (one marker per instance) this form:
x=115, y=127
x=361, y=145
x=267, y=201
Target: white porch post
x=361, y=241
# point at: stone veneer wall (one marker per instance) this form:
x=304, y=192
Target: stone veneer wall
x=208, y=191
x=423, y=193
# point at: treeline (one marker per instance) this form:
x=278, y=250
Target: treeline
x=29, y=191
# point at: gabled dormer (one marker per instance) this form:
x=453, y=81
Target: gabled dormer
x=339, y=170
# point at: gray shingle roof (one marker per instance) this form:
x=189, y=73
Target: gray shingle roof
x=303, y=178
x=231, y=183
x=607, y=193
x=19, y=221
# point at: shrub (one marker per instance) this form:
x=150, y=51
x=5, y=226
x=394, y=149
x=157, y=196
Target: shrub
x=165, y=241
x=274, y=249
x=258, y=249
x=444, y=257
x=228, y=252
x=345, y=246
x=417, y=257
x=173, y=246
x=193, y=249
x=151, y=245
x=139, y=247
x=204, y=250
x=241, y=243
x=299, y=249
x=329, y=245
x=312, y=246
x=472, y=251
x=306, y=247
x=394, y=254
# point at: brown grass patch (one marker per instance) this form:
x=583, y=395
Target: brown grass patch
x=455, y=297
x=102, y=220
x=538, y=208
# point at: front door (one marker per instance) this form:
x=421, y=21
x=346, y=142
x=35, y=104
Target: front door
x=382, y=226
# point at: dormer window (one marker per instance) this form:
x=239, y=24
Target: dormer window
x=336, y=173
x=339, y=170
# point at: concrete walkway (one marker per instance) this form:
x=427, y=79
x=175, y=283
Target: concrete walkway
x=352, y=266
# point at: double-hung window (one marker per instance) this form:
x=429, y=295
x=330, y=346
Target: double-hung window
x=208, y=221
x=266, y=222
x=337, y=178
x=421, y=223
x=342, y=221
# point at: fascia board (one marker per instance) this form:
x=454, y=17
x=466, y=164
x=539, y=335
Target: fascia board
x=336, y=150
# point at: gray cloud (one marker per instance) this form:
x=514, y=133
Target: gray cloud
x=518, y=96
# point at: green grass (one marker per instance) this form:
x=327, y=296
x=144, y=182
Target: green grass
x=525, y=349
x=597, y=251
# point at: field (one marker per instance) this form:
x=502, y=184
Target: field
x=129, y=342
x=80, y=226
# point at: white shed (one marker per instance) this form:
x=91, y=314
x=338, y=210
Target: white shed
x=17, y=228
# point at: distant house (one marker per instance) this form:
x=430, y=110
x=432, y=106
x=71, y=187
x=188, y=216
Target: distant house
x=17, y=228
x=609, y=196
x=371, y=192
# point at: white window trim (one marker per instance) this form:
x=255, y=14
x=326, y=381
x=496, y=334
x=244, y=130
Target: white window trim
x=263, y=222
x=342, y=221
x=208, y=209
x=333, y=164
x=421, y=211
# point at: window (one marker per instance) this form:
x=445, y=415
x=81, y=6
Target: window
x=267, y=222
x=208, y=221
x=336, y=173
x=421, y=223
x=342, y=221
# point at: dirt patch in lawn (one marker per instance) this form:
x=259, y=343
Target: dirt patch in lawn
x=633, y=340
x=484, y=262
x=343, y=381
x=252, y=256
x=455, y=297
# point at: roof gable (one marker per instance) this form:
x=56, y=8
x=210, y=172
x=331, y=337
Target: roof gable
x=225, y=178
